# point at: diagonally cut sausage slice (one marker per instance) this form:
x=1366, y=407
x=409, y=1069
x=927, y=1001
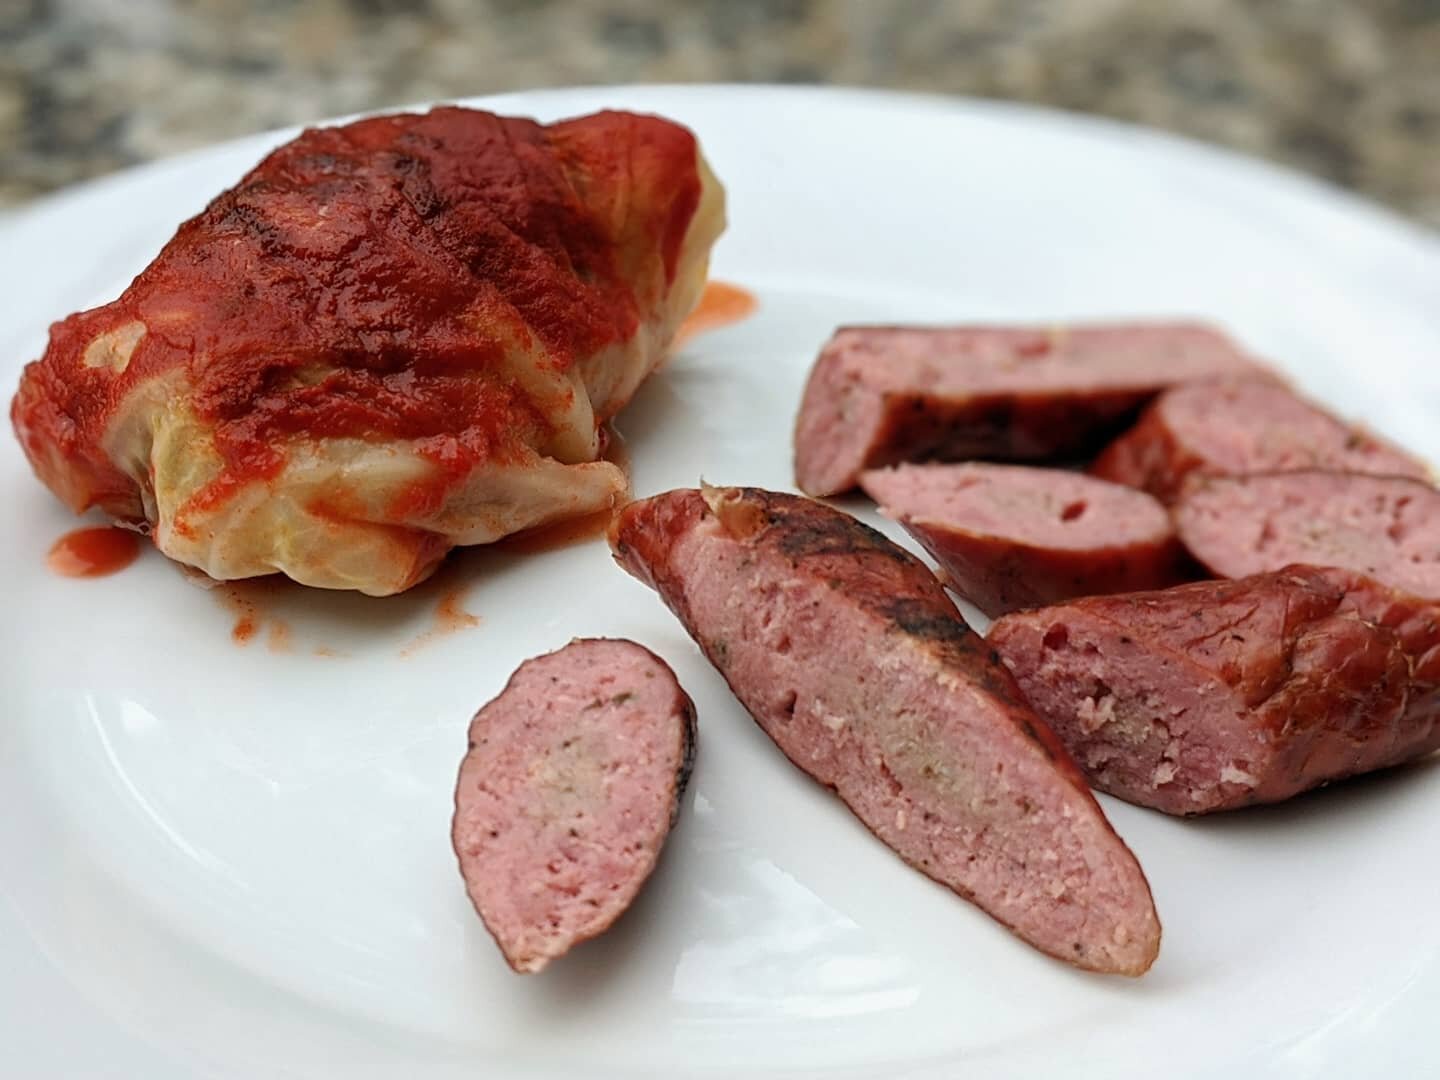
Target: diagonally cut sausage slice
x=1014, y=536
x=1223, y=694
x=882, y=395
x=571, y=783
x=1240, y=426
x=847, y=652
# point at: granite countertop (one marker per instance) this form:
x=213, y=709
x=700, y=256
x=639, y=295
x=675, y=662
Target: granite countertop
x=1345, y=89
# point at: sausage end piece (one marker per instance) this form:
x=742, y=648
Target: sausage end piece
x=571, y=782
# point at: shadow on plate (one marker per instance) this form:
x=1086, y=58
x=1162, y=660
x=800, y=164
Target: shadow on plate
x=1322, y=808
x=288, y=617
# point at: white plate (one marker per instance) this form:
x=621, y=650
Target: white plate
x=235, y=862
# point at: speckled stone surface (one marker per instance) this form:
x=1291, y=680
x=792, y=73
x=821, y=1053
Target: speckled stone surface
x=1346, y=89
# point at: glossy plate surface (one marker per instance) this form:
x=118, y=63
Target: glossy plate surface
x=233, y=860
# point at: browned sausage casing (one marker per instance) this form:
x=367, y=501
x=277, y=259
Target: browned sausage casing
x=1222, y=694
x=847, y=652
x=1237, y=427
x=1014, y=536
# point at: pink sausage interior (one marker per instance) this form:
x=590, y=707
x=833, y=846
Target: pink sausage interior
x=1386, y=527
x=929, y=760
x=1050, y=508
x=978, y=360
x=870, y=378
x=567, y=794
x=1258, y=426
x=1143, y=723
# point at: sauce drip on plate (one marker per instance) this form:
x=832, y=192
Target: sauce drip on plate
x=93, y=552
x=450, y=618
x=720, y=305
x=249, y=601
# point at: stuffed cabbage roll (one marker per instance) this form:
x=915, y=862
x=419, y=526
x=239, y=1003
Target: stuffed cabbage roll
x=390, y=338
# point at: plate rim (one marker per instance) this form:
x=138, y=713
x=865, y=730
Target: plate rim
x=1411, y=238
x=1303, y=184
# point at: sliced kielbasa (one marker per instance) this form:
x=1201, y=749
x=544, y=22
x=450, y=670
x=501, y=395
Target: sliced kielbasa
x=882, y=395
x=1012, y=536
x=571, y=783
x=1221, y=694
x=1386, y=527
x=848, y=653
x=1241, y=426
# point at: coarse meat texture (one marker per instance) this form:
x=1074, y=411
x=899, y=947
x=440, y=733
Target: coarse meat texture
x=848, y=653
x=571, y=783
x=389, y=338
x=1222, y=694
x=1237, y=427
x=1385, y=527
x=883, y=395
x=1014, y=536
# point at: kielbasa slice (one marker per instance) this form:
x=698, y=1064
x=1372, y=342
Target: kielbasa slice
x=1238, y=427
x=883, y=395
x=1386, y=527
x=1221, y=694
x=848, y=653
x=1012, y=536
x=571, y=783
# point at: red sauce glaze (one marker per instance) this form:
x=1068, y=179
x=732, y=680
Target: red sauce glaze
x=720, y=305
x=93, y=552
x=367, y=281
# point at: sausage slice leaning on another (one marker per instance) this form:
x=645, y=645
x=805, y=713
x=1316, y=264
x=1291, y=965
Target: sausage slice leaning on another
x=571, y=783
x=1237, y=427
x=1013, y=536
x=848, y=653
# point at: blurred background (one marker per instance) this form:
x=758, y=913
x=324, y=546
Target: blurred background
x=1348, y=90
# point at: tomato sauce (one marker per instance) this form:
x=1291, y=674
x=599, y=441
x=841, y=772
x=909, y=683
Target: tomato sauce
x=366, y=281
x=94, y=552
x=242, y=603
x=450, y=618
x=248, y=602
x=720, y=305
x=450, y=614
